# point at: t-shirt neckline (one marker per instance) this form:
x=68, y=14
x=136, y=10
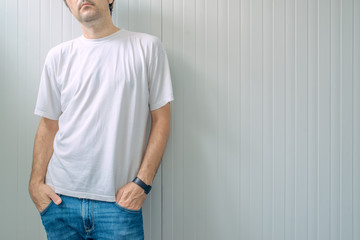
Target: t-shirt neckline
x=101, y=40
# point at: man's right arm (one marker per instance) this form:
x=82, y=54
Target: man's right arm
x=43, y=149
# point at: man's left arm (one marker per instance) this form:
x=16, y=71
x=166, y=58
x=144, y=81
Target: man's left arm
x=131, y=195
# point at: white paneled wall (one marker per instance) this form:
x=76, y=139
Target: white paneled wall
x=265, y=130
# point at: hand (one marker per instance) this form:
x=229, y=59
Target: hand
x=130, y=196
x=42, y=194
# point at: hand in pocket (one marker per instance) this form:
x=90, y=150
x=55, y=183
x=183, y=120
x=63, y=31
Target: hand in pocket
x=42, y=195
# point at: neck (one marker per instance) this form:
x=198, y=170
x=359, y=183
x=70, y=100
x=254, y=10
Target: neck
x=99, y=30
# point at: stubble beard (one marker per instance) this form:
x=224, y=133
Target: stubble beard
x=88, y=15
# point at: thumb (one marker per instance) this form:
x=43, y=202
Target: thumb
x=56, y=198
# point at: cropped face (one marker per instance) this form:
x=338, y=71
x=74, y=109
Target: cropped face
x=86, y=11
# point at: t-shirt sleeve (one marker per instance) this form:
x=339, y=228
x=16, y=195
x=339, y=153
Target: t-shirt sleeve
x=48, y=100
x=160, y=86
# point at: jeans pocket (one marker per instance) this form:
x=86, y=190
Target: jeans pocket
x=127, y=209
x=47, y=207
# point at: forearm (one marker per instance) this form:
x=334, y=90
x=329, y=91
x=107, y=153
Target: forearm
x=43, y=150
x=159, y=133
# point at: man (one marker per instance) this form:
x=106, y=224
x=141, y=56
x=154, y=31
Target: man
x=91, y=173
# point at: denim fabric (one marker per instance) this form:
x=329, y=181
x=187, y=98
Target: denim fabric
x=78, y=218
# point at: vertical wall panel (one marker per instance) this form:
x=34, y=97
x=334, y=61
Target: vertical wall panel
x=265, y=127
x=67, y=19
x=22, y=47
x=267, y=119
x=169, y=170
x=346, y=120
x=290, y=95
x=301, y=119
x=211, y=124
x=313, y=109
x=323, y=221
x=232, y=192
x=356, y=120
x=279, y=117
x=335, y=120
x=121, y=13
x=256, y=101
x=9, y=122
x=190, y=121
x=245, y=122
x=200, y=159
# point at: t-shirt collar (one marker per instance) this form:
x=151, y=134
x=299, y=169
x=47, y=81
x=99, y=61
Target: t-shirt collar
x=101, y=40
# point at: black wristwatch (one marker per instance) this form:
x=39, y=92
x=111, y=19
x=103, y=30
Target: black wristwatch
x=143, y=185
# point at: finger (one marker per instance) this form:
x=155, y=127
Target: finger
x=56, y=198
x=120, y=195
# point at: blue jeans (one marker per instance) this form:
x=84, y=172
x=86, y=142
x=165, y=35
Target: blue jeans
x=78, y=218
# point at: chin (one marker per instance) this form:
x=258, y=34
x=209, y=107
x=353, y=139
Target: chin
x=89, y=18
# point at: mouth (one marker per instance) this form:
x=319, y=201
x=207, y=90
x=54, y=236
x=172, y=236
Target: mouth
x=85, y=4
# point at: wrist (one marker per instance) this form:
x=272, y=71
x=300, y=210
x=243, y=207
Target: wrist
x=142, y=184
x=145, y=178
x=36, y=182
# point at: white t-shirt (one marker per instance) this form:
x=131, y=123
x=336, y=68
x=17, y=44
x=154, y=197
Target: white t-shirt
x=101, y=91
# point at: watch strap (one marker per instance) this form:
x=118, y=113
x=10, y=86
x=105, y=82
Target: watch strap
x=143, y=185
